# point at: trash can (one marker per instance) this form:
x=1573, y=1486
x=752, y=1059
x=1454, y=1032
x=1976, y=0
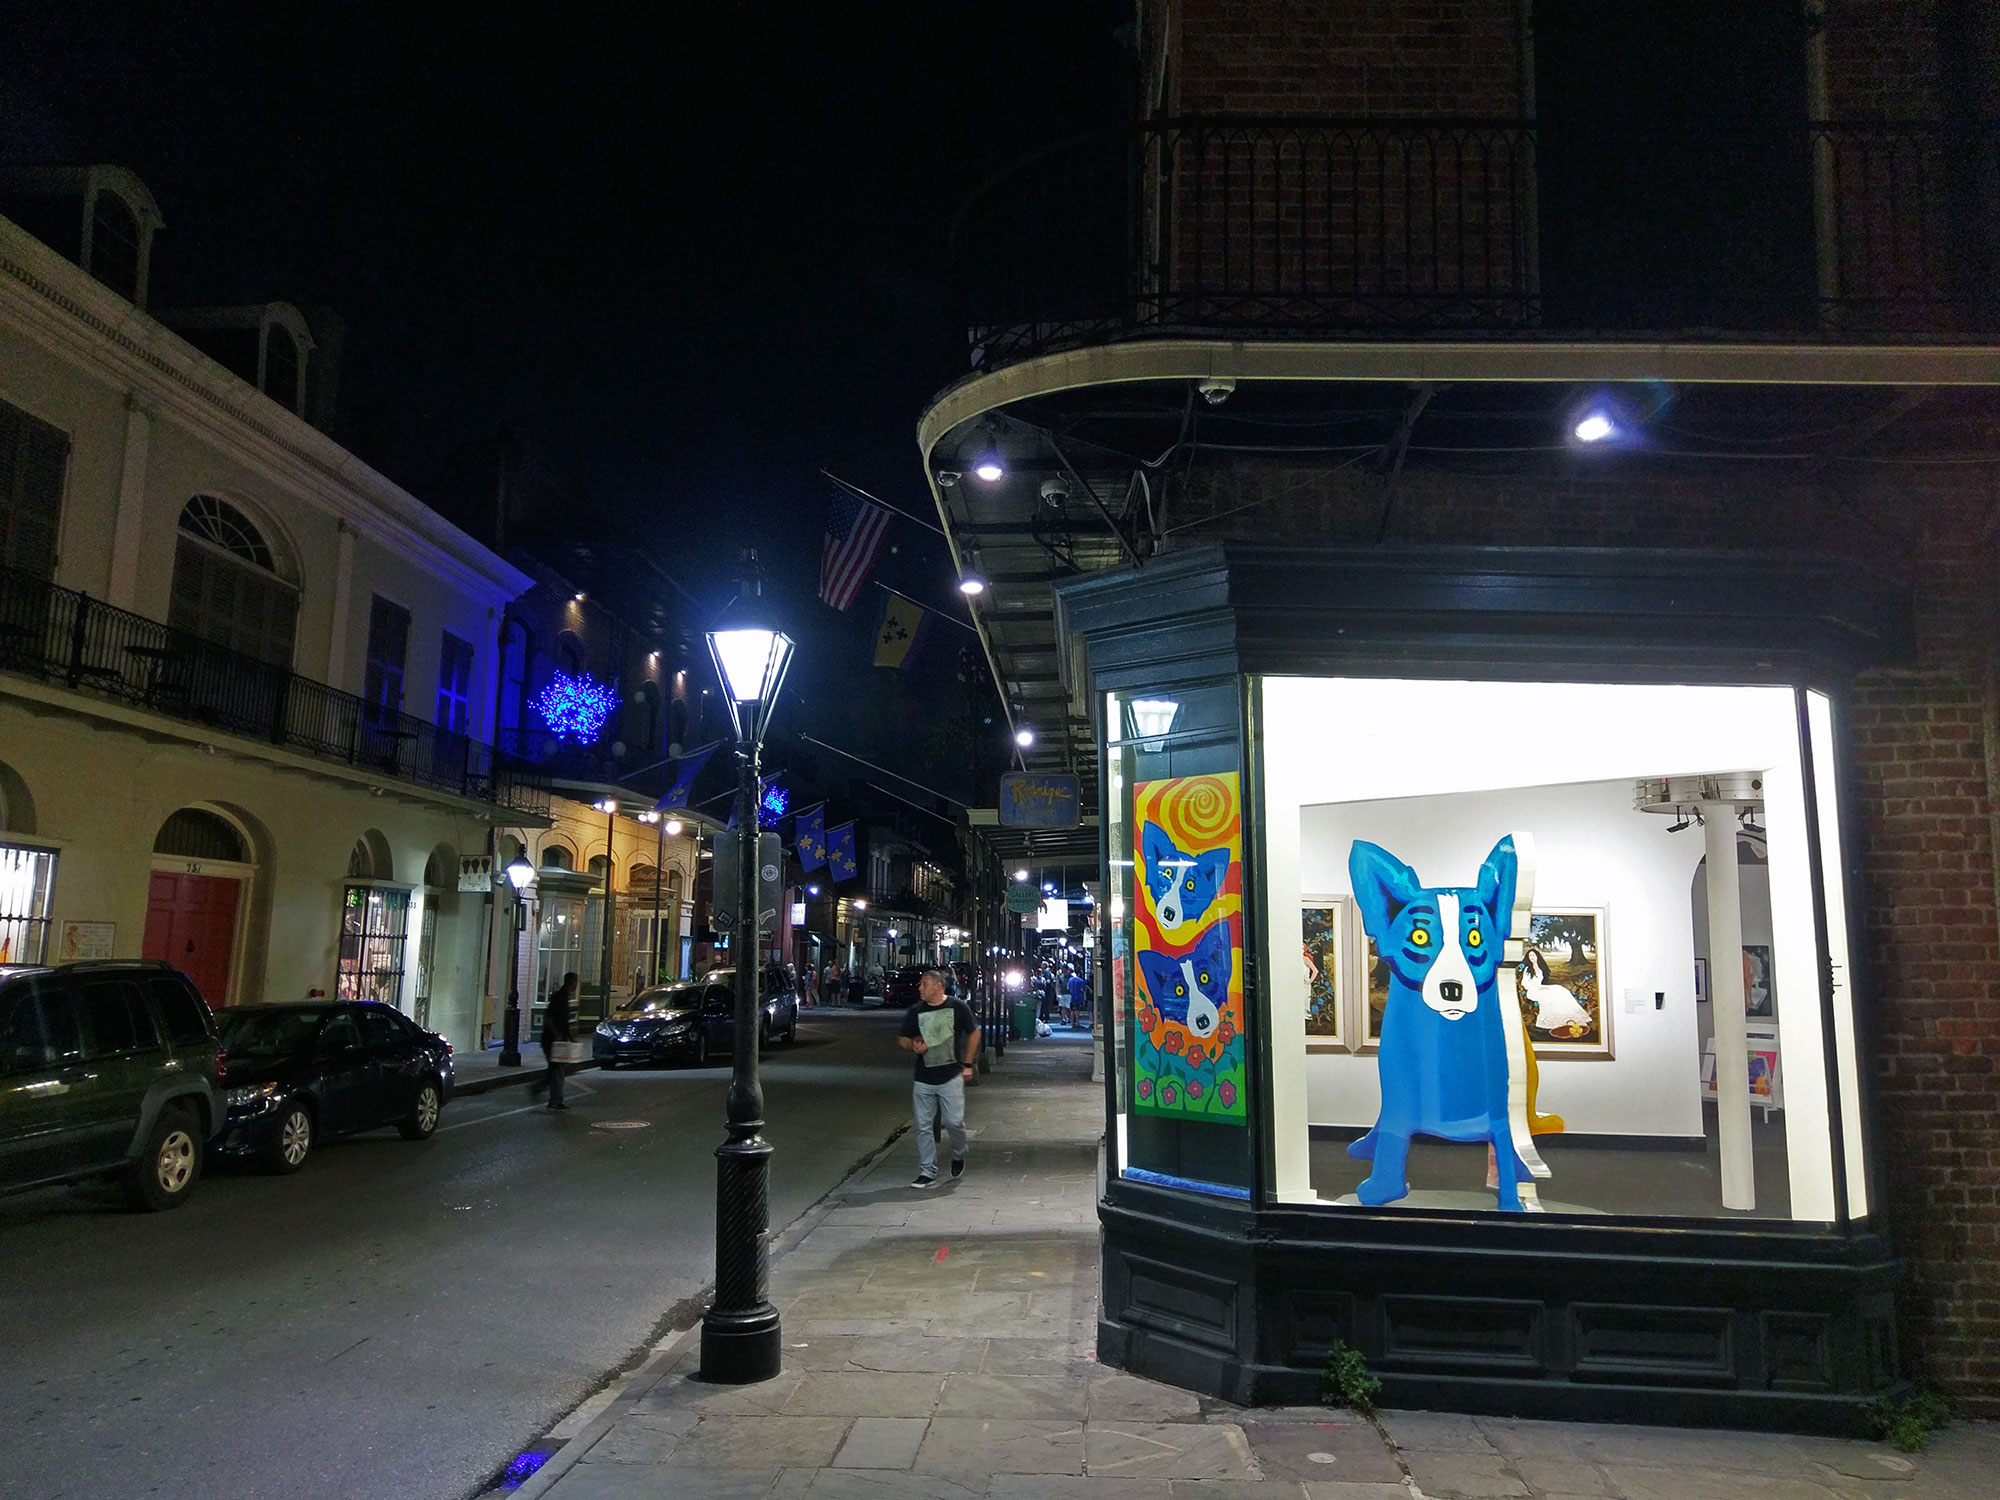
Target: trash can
x=1024, y=1019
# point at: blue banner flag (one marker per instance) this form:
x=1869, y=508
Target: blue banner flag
x=686, y=769
x=840, y=858
x=809, y=834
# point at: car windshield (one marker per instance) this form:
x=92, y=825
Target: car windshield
x=659, y=1002
x=270, y=1033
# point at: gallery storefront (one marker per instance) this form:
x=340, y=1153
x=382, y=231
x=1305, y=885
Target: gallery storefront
x=1484, y=983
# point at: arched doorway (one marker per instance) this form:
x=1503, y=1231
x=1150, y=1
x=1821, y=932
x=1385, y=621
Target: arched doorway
x=440, y=894
x=197, y=898
x=374, y=924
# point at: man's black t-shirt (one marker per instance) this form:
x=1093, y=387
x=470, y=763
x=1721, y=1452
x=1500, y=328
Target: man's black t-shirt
x=944, y=1049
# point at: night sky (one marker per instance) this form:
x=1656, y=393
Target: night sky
x=694, y=253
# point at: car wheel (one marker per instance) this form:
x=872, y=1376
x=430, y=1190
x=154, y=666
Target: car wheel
x=294, y=1140
x=170, y=1164
x=607, y=1063
x=422, y=1119
x=792, y=1031
x=701, y=1049
x=764, y=1036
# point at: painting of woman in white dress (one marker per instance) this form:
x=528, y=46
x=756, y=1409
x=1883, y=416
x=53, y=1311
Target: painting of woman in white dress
x=1563, y=983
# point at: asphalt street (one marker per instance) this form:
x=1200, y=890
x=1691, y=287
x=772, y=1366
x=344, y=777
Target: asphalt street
x=398, y=1318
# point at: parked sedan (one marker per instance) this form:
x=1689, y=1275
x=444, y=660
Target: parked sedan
x=303, y=1073
x=900, y=991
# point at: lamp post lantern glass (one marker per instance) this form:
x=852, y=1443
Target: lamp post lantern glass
x=740, y=1339
x=520, y=875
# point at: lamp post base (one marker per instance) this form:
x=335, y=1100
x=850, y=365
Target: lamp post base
x=741, y=1348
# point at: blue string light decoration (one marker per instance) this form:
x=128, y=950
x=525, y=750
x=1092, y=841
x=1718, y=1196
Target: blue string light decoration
x=576, y=707
x=774, y=801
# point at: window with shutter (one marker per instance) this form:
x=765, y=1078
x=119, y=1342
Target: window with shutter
x=226, y=589
x=33, y=457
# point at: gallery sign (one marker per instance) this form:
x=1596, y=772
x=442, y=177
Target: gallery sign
x=1028, y=800
x=1023, y=898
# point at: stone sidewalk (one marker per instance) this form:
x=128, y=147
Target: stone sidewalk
x=940, y=1346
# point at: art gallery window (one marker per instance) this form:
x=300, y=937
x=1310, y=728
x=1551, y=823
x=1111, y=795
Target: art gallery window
x=1498, y=980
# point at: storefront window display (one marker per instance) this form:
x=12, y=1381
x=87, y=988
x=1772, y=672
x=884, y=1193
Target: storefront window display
x=1498, y=915
x=374, y=932
x=1175, y=829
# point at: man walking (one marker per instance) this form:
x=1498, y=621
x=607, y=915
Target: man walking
x=555, y=1028
x=945, y=1038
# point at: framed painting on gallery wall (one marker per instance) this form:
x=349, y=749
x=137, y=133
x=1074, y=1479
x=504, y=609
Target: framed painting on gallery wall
x=1565, y=981
x=1330, y=925
x=1760, y=998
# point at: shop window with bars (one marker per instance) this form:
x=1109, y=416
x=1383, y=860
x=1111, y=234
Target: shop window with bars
x=27, y=884
x=33, y=458
x=374, y=928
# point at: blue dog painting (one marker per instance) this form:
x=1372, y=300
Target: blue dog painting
x=1191, y=988
x=1443, y=1058
x=1183, y=885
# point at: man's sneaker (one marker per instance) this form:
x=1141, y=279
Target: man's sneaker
x=924, y=1182
x=958, y=1166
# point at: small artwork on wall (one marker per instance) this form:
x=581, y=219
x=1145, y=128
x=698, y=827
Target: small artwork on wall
x=1324, y=922
x=1759, y=993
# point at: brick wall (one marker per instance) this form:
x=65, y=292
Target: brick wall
x=1357, y=57
x=1927, y=750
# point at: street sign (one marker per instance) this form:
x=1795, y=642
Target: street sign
x=1022, y=898
x=1035, y=801
x=770, y=871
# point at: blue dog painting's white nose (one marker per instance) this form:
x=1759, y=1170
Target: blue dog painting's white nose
x=1449, y=988
x=1170, y=911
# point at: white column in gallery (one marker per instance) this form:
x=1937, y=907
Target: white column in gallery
x=1725, y=984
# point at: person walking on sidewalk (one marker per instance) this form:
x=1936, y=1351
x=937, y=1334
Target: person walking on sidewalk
x=945, y=1038
x=555, y=1028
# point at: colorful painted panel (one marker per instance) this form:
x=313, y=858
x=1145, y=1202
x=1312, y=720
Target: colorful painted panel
x=1189, y=1049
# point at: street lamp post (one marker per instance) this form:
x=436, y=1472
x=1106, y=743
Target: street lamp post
x=740, y=1340
x=519, y=874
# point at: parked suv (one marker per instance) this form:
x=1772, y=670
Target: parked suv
x=107, y=1069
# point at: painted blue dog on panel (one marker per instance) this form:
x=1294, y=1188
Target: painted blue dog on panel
x=1443, y=1058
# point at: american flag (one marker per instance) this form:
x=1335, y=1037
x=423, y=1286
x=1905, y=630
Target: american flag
x=855, y=531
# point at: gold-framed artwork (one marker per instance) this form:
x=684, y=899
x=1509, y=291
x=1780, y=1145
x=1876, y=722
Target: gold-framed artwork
x=1563, y=984
x=1331, y=927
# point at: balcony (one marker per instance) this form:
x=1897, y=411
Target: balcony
x=1285, y=228
x=68, y=639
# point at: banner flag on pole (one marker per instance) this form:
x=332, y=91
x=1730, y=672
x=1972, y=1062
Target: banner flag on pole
x=809, y=834
x=840, y=859
x=855, y=531
x=904, y=625
x=686, y=769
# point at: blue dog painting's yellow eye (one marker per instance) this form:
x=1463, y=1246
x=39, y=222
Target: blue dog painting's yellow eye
x=1203, y=976
x=1180, y=989
x=1420, y=937
x=1189, y=886
x=1473, y=939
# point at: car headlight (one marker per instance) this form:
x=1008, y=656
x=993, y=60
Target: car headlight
x=679, y=1028
x=605, y=1028
x=256, y=1093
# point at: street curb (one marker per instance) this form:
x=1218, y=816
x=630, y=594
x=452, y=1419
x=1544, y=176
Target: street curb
x=668, y=1352
x=506, y=1079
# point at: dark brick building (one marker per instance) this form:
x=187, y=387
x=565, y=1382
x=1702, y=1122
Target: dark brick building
x=1295, y=378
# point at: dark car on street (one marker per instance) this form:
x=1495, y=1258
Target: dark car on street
x=300, y=1074
x=695, y=1022
x=899, y=990
x=107, y=1068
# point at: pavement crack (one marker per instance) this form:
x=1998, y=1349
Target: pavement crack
x=350, y=1348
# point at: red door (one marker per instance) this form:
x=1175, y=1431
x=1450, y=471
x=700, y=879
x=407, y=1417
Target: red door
x=191, y=923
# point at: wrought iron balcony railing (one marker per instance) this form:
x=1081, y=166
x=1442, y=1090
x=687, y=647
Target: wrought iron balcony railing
x=1323, y=228
x=69, y=639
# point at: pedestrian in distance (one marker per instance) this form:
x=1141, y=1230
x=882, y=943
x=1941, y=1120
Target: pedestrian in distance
x=555, y=1028
x=1076, y=1013
x=941, y=1031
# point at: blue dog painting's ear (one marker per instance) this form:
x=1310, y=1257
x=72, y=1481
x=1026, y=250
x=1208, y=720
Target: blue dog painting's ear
x=1383, y=885
x=1496, y=884
x=1214, y=865
x=1214, y=949
x=1156, y=846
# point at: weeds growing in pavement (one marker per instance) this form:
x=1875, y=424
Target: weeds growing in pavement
x=1346, y=1382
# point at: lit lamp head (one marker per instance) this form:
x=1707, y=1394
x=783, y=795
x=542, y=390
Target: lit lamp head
x=673, y=828
x=520, y=874
x=1153, y=720
x=751, y=660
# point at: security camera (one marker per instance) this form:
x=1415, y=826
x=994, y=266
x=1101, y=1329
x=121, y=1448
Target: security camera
x=1055, y=491
x=1217, y=389
x=946, y=478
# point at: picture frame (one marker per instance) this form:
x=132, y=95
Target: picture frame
x=1330, y=927
x=1701, y=981
x=1565, y=984
x=1760, y=988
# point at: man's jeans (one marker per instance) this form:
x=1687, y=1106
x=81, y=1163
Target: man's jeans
x=554, y=1083
x=938, y=1102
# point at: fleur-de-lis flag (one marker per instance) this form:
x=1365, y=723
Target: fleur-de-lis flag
x=809, y=834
